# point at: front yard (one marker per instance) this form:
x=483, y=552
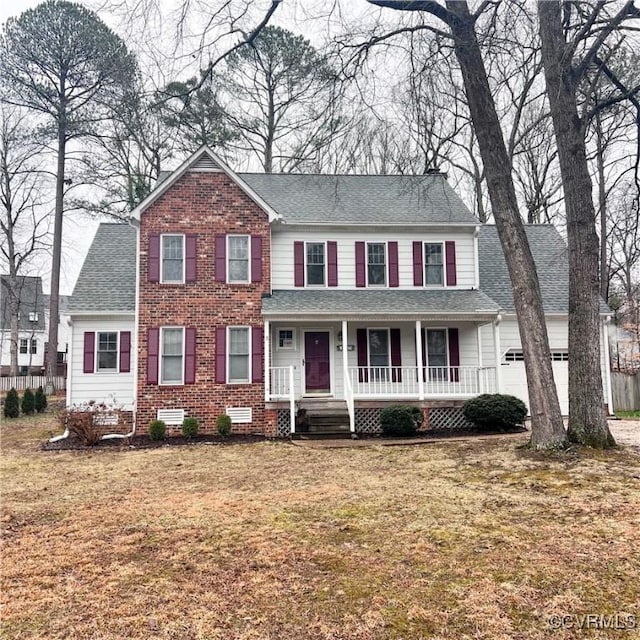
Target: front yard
x=272, y=541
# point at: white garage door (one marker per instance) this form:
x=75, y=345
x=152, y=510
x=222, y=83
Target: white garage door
x=514, y=379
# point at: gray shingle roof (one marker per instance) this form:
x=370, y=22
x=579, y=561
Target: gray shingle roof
x=31, y=300
x=377, y=301
x=107, y=280
x=329, y=199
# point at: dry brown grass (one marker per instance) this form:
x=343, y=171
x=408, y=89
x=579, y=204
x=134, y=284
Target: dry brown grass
x=272, y=541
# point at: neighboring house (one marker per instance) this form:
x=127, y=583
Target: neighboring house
x=244, y=293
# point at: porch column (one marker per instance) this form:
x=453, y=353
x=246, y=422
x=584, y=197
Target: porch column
x=480, y=374
x=419, y=359
x=345, y=352
x=498, y=354
x=267, y=361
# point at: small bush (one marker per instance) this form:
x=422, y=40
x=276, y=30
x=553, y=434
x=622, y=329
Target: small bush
x=40, y=400
x=223, y=425
x=79, y=421
x=495, y=411
x=28, y=403
x=12, y=404
x=157, y=430
x=190, y=427
x=400, y=420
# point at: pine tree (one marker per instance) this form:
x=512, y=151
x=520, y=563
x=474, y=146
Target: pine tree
x=40, y=400
x=12, y=404
x=28, y=403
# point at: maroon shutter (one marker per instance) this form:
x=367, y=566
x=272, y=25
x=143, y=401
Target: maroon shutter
x=332, y=263
x=154, y=258
x=363, y=374
x=361, y=266
x=221, y=257
x=221, y=355
x=257, y=348
x=190, y=355
x=396, y=356
x=125, y=351
x=191, y=242
x=153, y=344
x=89, y=351
x=418, y=271
x=450, y=252
x=394, y=280
x=298, y=263
x=256, y=258
x=454, y=355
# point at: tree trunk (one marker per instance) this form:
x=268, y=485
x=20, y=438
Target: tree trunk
x=602, y=208
x=14, y=323
x=587, y=421
x=547, y=429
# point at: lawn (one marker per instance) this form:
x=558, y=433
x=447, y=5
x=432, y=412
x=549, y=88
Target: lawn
x=267, y=541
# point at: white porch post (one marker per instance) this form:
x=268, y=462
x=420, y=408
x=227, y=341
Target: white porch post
x=345, y=353
x=498, y=353
x=267, y=361
x=480, y=372
x=419, y=359
x=607, y=362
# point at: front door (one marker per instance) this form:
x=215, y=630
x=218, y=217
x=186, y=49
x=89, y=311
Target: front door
x=316, y=362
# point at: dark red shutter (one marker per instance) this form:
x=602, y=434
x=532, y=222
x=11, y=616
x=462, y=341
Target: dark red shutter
x=191, y=242
x=394, y=279
x=256, y=258
x=190, y=355
x=332, y=263
x=221, y=257
x=396, y=355
x=89, y=351
x=125, y=351
x=153, y=347
x=450, y=252
x=363, y=374
x=298, y=263
x=418, y=271
x=221, y=355
x=454, y=355
x=154, y=258
x=361, y=266
x=257, y=348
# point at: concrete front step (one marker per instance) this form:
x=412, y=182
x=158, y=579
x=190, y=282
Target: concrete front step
x=329, y=428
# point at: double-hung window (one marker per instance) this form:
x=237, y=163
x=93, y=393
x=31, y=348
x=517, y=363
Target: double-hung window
x=316, y=264
x=238, y=259
x=107, y=351
x=238, y=354
x=172, y=248
x=437, y=354
x=24, y=345
x=376, y=264
x=433, y=264
x=172, y=355
x=34, y=345
x=379, y=358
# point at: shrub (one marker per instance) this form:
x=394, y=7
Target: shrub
x=79, y=421
x=157, y=430
x=28, y=402
x=40, y=400
x=223, y=425
x=190, y=427
x=495, y=411
x=12, y=404
x=400, y=420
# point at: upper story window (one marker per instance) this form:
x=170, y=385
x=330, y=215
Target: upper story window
x=25, y=343
x=238, y=355
x=238, y=259
x=376, y=264
x=33, y=316
x=171, y=355
x=172, y=247
x=316, y=264
x=107, y=351
x=433, y=264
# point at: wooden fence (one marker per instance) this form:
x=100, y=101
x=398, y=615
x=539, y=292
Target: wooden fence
x=20, y=383
x=626, y=391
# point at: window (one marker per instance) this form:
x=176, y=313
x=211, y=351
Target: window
x=34, y=346
x=514, y=356
x=437, y=357
x=238, y=362
x=238, y=258
x=376, y=264
x=286, y=339
x=560, y=356
x=315, y=263
x=24, y=345
x=107, y=351
x=379, y=353
x=433, y=264
x=171, y=345
x=33, y=316
x=172, y=258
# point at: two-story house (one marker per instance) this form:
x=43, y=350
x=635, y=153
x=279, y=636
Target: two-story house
x=259, y=294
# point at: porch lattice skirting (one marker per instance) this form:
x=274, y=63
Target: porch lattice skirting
x=283, y=423
x=447, y=418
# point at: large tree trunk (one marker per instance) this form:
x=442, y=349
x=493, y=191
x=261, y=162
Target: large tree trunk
x=587, y=420
x=14, y=323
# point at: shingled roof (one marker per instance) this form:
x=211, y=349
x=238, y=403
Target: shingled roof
x=107, y=280
x=32, y=300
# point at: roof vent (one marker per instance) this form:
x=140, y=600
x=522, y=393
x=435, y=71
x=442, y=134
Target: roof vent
x=206, y=163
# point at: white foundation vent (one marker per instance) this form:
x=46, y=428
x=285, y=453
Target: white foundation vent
x=171, y=416
x=240, y=415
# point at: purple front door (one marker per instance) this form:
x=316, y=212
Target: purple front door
x=316, y=361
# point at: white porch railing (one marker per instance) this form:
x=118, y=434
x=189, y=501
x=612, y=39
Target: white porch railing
x=280, y=380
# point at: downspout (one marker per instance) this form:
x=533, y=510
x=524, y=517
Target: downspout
x=476, y=256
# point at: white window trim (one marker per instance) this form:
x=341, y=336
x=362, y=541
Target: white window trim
x=426, y=344
x=424, y=265
x=294, y=344
x=386, y=264
x=306, y=269
x=33, y=342
x=161, y=355
x=388, y=330
x=26, y=347
x=184, y=258
x=97, y=343
x=227, y=257
x=33, y=316
x=228, y=354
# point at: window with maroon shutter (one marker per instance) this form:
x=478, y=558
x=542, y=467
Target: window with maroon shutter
x=125, y=351
x=454, y=355
x=450, y=259
x=89, y=352
x=394, y=279
x=396, y=355
x=435, y=354
x=256, y=258
x=221, y=355
x=418, y=271
x=153, y=256
x=257, y=348
x=191, y=267
x=298, y=263
x=190, y=356
x=332, y=263
x=363, y=356
x=221, y=257
x=361, y=265
x=153, y=348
